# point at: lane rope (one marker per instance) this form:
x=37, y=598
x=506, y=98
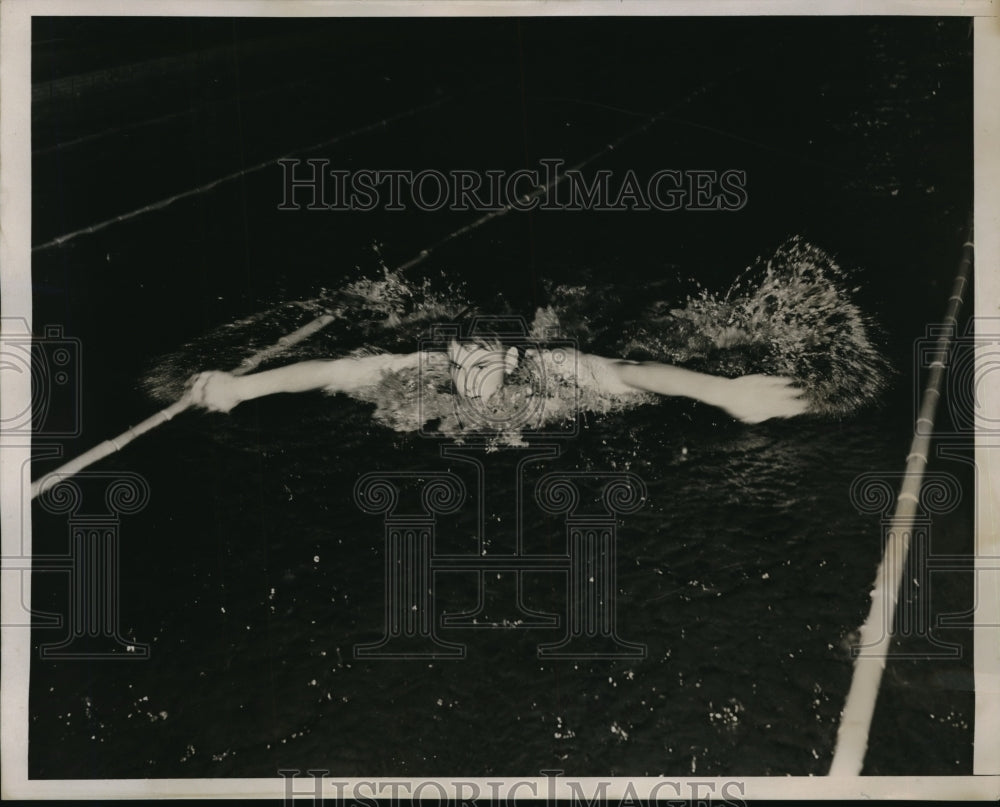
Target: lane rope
x=115, y=444
x=874, y=644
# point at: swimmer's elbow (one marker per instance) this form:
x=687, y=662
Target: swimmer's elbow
x=630, y=373
x=667, y=379
x=353, y=373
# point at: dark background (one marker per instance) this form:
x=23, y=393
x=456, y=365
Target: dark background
x=855, y=133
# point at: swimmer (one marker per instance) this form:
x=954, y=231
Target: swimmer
x=479, y=368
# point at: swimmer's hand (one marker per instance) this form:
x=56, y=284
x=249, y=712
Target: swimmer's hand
x=755, y=398
x=214, y=390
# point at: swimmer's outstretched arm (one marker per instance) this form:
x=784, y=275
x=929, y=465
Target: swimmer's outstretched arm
x=220, y=391
x=751, y=398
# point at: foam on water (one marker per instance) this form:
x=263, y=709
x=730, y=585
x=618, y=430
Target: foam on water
x=387, y=313
x=788, y=314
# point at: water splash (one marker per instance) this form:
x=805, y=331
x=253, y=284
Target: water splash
x=788, y=314
x=387, y=313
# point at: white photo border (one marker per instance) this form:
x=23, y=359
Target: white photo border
x=15, y=299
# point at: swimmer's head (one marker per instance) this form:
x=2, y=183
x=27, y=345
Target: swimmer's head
x=478, y=367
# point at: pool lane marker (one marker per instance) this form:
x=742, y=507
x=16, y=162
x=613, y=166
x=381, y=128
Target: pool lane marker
x=58, y=241
x=108, y=447
x=876, y=633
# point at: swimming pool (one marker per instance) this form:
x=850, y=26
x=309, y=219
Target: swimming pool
x=252, y=574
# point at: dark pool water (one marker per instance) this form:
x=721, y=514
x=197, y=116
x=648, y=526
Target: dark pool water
x=252, y=574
